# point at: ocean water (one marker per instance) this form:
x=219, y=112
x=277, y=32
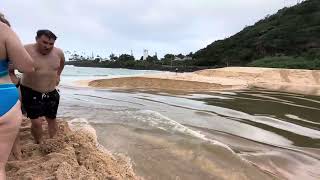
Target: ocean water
x=71, y=74
x=248, y=134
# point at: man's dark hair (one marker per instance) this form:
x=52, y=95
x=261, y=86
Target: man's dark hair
x=4, y=20
x=47, y=33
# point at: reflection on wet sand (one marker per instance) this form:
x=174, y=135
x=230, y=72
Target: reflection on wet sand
x=184, y=135
x=158, y=155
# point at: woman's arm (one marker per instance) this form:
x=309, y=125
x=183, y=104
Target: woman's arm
x=17, y=53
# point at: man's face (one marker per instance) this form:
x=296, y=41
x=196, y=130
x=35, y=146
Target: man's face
x=45, y=44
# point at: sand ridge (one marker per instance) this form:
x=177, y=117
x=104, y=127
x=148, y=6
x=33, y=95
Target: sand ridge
x=157, y=84
x=70, y=155
x=230, y=78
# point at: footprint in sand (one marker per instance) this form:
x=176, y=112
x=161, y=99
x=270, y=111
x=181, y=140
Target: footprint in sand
x=316, y=76
x=284, y=76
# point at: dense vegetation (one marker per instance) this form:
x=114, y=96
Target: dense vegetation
x=288, y=39
x=286, y=62
x=292, y=32
x=167, y=63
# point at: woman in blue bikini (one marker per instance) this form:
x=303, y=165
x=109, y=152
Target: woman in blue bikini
x=10, y=113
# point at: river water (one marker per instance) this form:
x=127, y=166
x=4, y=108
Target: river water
x=247, y=134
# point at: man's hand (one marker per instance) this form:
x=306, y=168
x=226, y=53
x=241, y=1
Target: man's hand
x=13, y=76
x=11, y=68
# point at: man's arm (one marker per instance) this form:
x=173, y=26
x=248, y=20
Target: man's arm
x=62, y=60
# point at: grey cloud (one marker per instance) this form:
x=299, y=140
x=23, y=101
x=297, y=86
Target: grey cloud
x=165, y=26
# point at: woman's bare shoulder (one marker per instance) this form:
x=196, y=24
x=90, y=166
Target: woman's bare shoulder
x=4, y=31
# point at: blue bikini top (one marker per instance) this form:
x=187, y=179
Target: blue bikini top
x=4, y=67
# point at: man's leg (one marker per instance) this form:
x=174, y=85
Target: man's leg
x=33, y=106
x=51, y=112
x=36, y=129
x=52, y=127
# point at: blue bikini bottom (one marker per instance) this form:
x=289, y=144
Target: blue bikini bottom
x=9, y=96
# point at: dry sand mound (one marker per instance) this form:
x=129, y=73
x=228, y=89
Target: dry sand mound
x=156, y=84
x=230, y=78
x=288, y=80
x=71, y=155
x=270, y=75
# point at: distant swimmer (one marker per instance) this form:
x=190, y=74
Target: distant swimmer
x=40, y=97
x=11, y=51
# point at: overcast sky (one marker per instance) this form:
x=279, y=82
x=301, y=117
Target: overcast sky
x=119, y=26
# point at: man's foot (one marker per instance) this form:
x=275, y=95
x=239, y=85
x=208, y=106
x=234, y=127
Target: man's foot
x=17, y=154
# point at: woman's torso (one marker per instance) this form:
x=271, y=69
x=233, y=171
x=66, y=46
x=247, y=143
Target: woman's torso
x=4, y=77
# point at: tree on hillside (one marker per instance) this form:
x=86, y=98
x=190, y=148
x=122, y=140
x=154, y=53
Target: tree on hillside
x=113, y=57
x=169, y=56
x=150, y=59
x=166, y=60
x=75, y=57
x=190, y=54
x=125, y=57
x=155, y=58
x=181, y=56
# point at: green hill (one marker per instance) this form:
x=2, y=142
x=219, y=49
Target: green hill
x=290, y=38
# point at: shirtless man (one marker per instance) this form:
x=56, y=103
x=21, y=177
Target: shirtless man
x=38, y=89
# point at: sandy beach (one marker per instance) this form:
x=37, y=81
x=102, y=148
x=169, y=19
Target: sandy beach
x=286, y=80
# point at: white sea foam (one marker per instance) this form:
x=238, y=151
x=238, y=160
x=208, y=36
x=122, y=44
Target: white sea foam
x=227, y=93
x=291, y=116
x=82, y=124
x=206, y=96
x=162, y=122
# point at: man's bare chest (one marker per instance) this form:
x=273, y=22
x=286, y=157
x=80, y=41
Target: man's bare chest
x=48, y=63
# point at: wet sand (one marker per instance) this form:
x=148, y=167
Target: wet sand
x=167, y=155
x=170, y=136
x=70, y=155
